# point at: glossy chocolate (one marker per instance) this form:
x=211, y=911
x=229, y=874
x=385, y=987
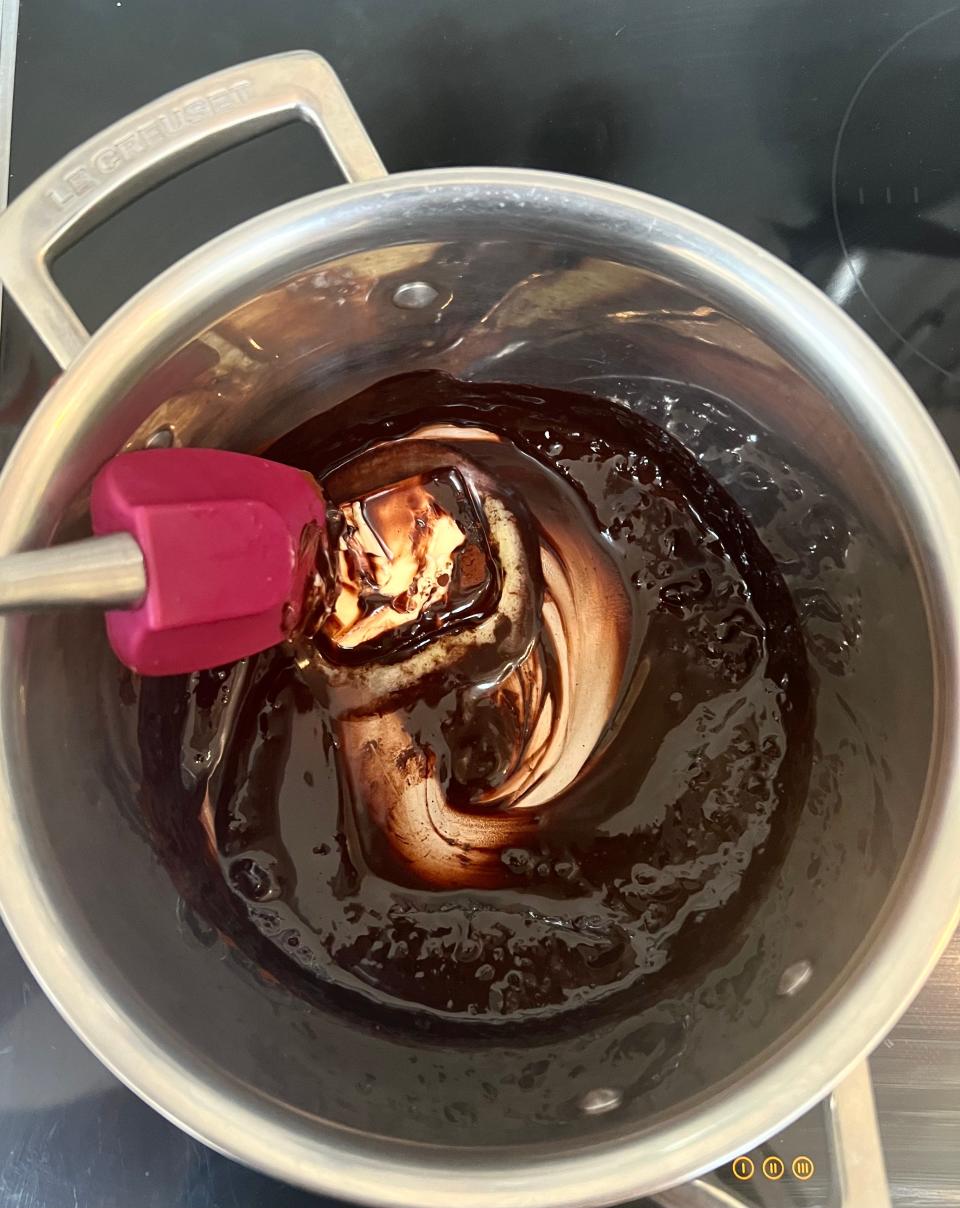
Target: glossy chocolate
x=577, y=790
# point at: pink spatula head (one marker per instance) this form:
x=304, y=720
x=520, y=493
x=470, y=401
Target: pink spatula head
x=229, y=544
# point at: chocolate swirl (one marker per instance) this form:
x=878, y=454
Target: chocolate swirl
x=570, y=780
x=527, y=692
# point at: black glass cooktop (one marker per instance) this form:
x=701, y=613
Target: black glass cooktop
x=825, y=130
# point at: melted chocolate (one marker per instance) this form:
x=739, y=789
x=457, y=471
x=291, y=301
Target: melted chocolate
x=574, y=793
x=414, y=560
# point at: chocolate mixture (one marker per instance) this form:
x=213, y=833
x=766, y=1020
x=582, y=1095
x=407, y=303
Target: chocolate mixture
x=546, y=746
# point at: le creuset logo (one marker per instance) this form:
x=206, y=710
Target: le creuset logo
x=80, y=179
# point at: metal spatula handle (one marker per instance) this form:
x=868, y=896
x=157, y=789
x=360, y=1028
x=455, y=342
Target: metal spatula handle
x=107, y=571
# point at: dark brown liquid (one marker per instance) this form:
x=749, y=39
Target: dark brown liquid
x=383, y=853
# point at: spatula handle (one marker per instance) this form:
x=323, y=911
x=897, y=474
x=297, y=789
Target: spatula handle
x=107, y=571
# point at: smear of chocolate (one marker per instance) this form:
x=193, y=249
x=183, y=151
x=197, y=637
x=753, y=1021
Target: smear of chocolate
x=578, y=790
x=528, y=690
x=413, y=560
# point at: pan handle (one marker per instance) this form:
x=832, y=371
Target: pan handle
x=856, y=1142
x=153, y=144
x=856, y=1152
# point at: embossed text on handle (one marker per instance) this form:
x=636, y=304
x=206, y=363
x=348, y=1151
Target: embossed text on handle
x=78, y=180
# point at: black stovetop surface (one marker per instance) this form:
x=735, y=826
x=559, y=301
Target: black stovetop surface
x=825, y=130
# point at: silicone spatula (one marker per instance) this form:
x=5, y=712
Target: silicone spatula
x=201, y=557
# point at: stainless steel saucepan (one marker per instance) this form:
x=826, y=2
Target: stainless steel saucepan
x=503, y=275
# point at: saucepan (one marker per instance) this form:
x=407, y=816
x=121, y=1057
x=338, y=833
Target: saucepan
x=504, y=275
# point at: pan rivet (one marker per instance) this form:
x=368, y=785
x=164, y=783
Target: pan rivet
x=794, y=978
x=602, y=1099
x=414, y=295
x=163, y=438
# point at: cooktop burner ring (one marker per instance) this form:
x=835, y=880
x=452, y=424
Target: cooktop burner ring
x=895, y=198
